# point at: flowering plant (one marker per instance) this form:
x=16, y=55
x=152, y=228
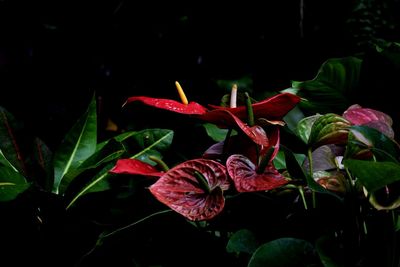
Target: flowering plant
x=264, y=184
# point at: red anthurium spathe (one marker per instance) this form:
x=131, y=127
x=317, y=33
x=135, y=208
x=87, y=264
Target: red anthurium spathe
x=181, y=190
x=135, y=167
x=273, y=108
x=191, y=108
x=358, y=115
x=246, y=178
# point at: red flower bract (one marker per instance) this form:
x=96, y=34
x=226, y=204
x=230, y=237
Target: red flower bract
x=192, y=108
x=273, y=108
x=246, y=179
x=135, y=167
x=180, y=190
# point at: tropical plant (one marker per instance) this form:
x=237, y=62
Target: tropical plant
x=301, y=178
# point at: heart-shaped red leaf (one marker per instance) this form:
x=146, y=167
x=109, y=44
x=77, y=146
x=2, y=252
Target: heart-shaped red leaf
x=246, y=179
x=273, y=108
x=192, y=108
x=135, y=167
x=180, y=190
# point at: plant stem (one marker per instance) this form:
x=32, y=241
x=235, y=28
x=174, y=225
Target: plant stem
x=310, y=161
x=160, y=163
x=102, y=236
x=301, y=191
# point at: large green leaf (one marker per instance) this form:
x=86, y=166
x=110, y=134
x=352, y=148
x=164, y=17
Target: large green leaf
x=288, y=252
x=78, y=145
x=10, y=150
x=12, y=184
x=242, y=241
x=329, y=90
x=374, y=175
x=111, y=151
x=98, y=183
x=147, y=142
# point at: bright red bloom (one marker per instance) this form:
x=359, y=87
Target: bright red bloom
x=273, y=108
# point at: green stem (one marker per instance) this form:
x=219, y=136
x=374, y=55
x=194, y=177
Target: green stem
x=310, y=161
x=301, y=191
x=102, y=236
x=249, y=108
x=160, y=163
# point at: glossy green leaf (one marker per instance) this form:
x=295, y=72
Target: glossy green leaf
x=374, y=175
x=304, y=127
x=329, y=129
x=10, y=150
x=147, y=142
x=329, y=90
x=214, y=132
x=77, y=146
x=363, y=138
x=98, y=183
x=288, y=252
x=12, y=184
x=242, y=241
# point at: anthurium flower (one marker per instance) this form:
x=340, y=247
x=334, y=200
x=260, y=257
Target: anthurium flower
x=246, y=177
x=222, y=118
x=135, y=167
x=196, y=198
x=249, y=176
x=358, y=115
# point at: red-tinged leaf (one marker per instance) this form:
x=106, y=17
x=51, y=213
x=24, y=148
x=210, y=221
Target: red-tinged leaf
x=11, y=154
x=192, y=108
x=371, y=118
x=135, y=167
x=273, y=108
x=224, y=118
x=246, y=179
x=180, y=190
